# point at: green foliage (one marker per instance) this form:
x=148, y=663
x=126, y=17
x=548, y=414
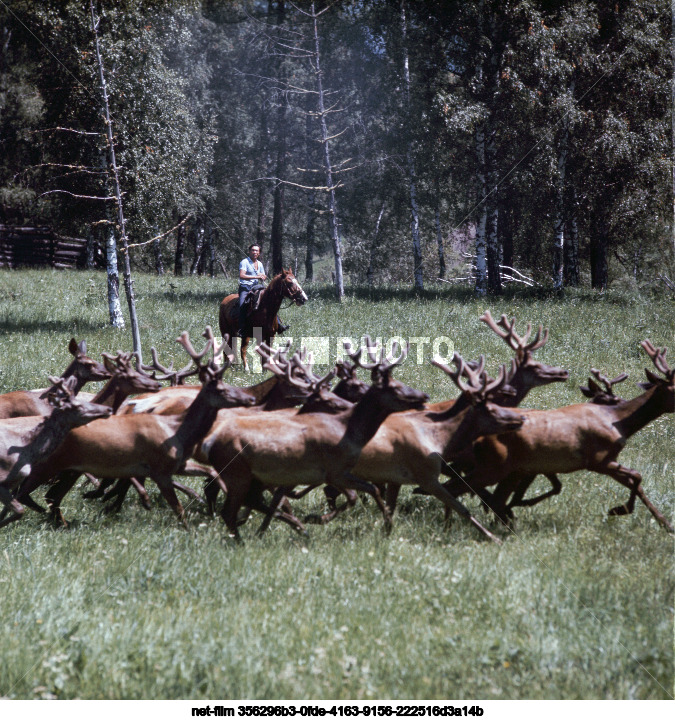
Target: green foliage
x=573, y=604
x=197, y=90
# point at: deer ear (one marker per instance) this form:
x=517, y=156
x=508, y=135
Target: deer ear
x=109, y=365
x=652, y=377
x=586, y=391
x=72, y=346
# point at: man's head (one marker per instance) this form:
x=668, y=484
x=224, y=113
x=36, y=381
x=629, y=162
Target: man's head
x=253, y=251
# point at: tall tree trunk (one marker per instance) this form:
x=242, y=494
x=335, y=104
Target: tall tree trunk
x=276, y=238
x=310, y=226
x=599, y=274
x=492, y=250
x=672, y=113
x=180, y=248
x=212, y=240
x=370, y=273
x=91, y=250
x=572, y=247
x=439, y=230
x=128, y=283
x=333, y=222
x=277, y=229
x=310, y=235
x=157, y=249
x=263, y=187
x=410, y=161
x=559, y=223
x=198, y=246
x=481, y=222
x=506, y=233
x=114, y=307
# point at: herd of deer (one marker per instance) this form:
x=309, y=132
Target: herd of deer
x=292, y=431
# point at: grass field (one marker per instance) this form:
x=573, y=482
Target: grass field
x=573, y=604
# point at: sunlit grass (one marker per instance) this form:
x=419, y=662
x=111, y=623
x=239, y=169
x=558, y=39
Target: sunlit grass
x=573, y=605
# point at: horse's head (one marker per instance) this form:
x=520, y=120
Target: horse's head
x=292, y=289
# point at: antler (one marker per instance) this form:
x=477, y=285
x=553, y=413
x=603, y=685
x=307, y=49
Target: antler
x=480, y=385
x=597, y=394
x=515, y=342
x=60, y=390
x=184, y=340
x=379, y=365
x=658, y=356
x=606, y=382
x=176, y=378
x=311, y=382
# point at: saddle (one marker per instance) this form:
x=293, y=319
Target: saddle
x=251, y=304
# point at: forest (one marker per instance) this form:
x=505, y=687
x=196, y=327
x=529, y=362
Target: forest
x=360, y=142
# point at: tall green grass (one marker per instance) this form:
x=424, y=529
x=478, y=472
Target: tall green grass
x=573, y=604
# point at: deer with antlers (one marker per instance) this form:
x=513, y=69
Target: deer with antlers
x=283, y=448
x=586, y=436
x=84, y=369
x=26, y=441
x=140, y=445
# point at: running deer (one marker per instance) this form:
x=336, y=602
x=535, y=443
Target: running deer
x=309, y=448
x=585, y=436
x=17, y=404
x=140, y=445
x=28, y=440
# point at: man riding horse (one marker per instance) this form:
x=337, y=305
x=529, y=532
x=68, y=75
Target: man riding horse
x=237, y=318
x=251, y=275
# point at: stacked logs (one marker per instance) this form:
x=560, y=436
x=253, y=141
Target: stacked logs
x=39, y=246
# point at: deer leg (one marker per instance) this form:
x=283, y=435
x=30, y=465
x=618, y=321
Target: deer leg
x=633, y=481
x=165, y=485
x=332, y=495
x=11, y=504
x=189, y=492
x=56, y=493
x=212, y=486
x=521, y=490
x=91, y=479
x=237, y=492
x=101, y=487
x=274, y=511
x=434, y=488
x=351, y=481
x=391, y=496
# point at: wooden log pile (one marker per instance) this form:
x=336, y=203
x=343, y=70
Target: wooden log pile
x=39, y=246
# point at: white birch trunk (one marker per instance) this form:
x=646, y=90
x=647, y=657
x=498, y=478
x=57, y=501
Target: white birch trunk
x=128, y=283
x=114, y=307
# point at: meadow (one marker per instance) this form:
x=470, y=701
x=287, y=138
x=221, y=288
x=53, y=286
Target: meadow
x=573, y=604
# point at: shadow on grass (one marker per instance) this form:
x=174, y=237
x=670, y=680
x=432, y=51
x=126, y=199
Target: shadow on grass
x=74, y=326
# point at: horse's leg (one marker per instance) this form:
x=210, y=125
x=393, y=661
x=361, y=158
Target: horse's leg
x=244, y=345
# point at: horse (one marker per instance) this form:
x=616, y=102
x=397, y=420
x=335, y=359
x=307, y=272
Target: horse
x=283, y=285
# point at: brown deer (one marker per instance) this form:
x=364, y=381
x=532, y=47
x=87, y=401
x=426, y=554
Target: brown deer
x=26, y=441
x=17, y=404
x=140, y=445
x=585, y=436
x=267, y=395
x=309, y=448
x=410, y=448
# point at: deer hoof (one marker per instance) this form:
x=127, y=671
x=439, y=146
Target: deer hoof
x=619, y=511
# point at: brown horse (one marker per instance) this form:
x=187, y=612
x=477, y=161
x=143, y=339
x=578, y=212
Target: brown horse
x=264, y=317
